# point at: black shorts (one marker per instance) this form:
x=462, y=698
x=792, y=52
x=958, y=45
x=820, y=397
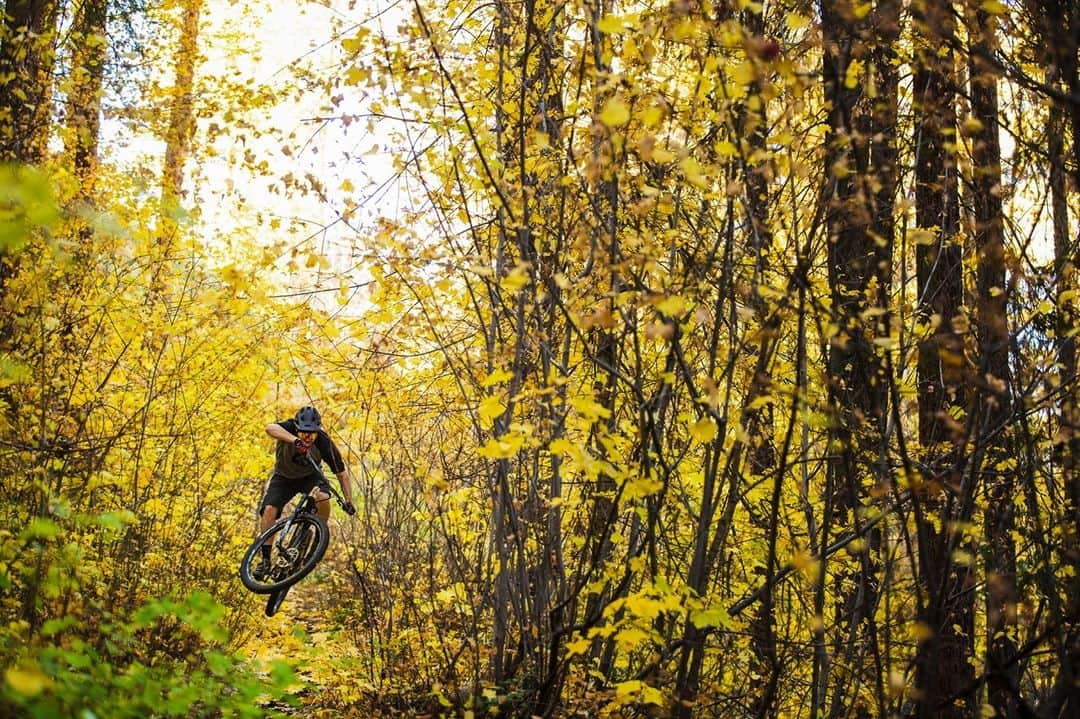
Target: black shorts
x=281, y=490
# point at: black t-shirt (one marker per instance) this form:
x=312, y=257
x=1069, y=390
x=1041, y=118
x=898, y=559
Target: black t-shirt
x=291, y=464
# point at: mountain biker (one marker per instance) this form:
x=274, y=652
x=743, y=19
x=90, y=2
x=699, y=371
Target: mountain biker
x=298, y=439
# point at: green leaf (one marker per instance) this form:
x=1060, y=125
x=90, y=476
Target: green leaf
x=41, y=528
x=116, y=520
x=55, y=626
x=27, y=203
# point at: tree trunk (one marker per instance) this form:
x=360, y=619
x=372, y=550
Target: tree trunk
x=861, y=175
x=995, y=398
x=27, y=52
x=946, y=608
x=84, y=101
x=1063, y=74
x=181, y=129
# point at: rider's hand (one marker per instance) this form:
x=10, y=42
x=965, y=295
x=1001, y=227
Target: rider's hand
x=302, y=446
x=349, y=509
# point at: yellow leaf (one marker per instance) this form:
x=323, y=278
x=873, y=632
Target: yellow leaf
x=652, y=116
x=615, y=113
x=704, y=430
x=693, y=173
x=672, y=305
x=560, y=446
x=631, y=637
x=516, y=278
x=625, y=691
x=662, y=155
x=964, y=559
x=744, y=73
x=610, y=24
x=921, y=631
x=851, y=76
x=725, y=148
x=795, y=21
x=995, y=7
x=356, y=75
x=354, y=44
x=590, y=409
x=642, y=487
x=503, y=447
x=652, y=695
x=644, y=606
x=715, y=616
x=971, y=126
x=490, y=408
x=29, y=681
x=499, y=375
x=801, y=559
x=578, y=646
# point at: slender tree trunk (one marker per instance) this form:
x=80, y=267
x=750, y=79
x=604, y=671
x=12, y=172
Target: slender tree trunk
x=500, y=660
x=87, y=75
x=946, y=607
x=1059, y=22
x=27, y=52
x=542, y=111
x=861, y=172
x=938, y=251
x=181, y=129
x=995, y=398
x=752, y=123
x=1067, y=441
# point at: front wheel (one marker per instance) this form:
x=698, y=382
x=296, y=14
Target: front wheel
x=296, y=546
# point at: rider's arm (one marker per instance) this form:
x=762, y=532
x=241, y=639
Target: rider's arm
x=345, y=478
x=280, y=433
x=333, y=457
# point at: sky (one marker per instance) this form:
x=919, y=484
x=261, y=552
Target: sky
x=262, y=45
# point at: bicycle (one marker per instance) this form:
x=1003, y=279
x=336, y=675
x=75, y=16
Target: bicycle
x=297, y=543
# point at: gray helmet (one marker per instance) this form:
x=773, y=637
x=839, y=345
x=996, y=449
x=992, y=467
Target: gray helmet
x=308, y=420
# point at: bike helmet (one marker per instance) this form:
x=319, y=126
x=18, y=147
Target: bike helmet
x=308, y=420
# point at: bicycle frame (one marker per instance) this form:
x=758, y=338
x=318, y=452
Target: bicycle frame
x=295, y=542
x=308, y=504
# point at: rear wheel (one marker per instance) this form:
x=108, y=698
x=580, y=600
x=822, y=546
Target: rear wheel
x=296, y=546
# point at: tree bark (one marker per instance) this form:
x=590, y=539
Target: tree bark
x=84, y=101
x=862, y=176
x=181, y=128
x=946, y=607
x=27, y=53
x=995, y=398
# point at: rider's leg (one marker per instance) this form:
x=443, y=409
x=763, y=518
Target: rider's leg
x=278, y=493
x=270, y=514
x=322, y=503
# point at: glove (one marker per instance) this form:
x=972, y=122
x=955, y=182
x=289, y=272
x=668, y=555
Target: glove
x=301, y=446
x=349, y=509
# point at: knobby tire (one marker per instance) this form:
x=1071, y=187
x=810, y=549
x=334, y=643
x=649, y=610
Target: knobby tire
x=282, y=578
x=274, y=600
